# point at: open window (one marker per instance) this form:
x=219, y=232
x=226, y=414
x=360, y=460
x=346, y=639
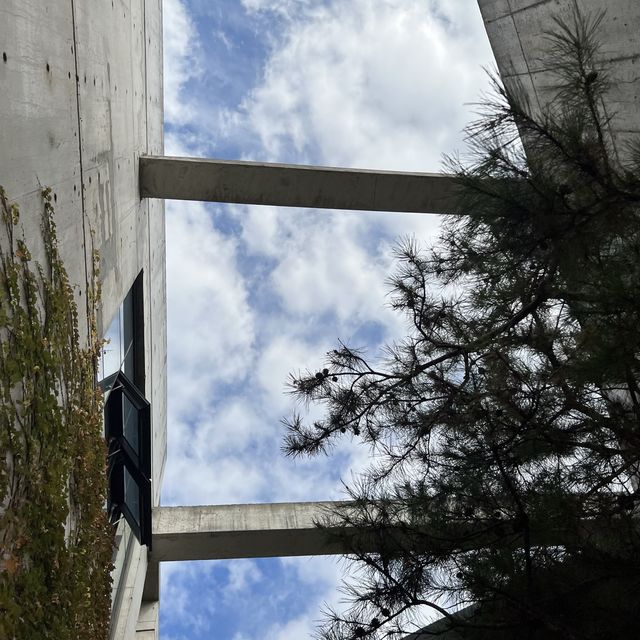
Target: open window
x=128, y=431
x=127, y=416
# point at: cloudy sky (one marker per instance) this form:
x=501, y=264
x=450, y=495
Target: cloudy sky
x=257, y=292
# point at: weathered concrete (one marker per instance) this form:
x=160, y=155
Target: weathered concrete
x=151, y=591
x=241, y=531
x=291, y=529
x=127, y=606
x=147, y=628
x=80, y=100
x=518, y=30
x=291, y=185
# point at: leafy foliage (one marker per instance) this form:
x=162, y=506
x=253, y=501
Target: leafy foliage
x=55, y=541
x=504, y=428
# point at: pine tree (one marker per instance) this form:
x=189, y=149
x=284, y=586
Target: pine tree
x=505, y=428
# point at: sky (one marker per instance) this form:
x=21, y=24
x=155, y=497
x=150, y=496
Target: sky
x=255, y=293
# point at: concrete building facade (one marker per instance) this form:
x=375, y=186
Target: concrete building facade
x=80, y=101
x=518, y=30
x=81, y=111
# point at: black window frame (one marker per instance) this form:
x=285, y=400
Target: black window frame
x=119, y=387
x=122, y=455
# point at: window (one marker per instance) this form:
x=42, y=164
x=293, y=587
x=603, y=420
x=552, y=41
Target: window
x=124, y=346
x=127, y=417
x=128, y=432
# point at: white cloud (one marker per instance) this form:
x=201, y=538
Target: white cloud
x=242, y=575
x=268, y=598
x=354, y=83
x=286, y=9
x=178, y=144
x=330, y=262
x=211, y=336
x=210, y=462
x=210, y=321
x=281, y=356
x=371, y=84
x=181, y=60
x=301, y=627
x=177, y=601
x=325, y=268
x=347, y=82
x=357, y=83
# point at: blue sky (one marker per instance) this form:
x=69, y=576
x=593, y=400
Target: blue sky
x=257, y=292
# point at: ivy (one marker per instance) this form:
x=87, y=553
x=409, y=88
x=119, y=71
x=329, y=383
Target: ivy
x=55, y=539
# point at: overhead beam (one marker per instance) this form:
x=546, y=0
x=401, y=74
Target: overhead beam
x=291, y=185
x=289, y=529
x=241, y=531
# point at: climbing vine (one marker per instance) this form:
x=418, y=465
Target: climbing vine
x=55, y=540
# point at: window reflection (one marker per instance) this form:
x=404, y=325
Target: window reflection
x=112, y=349
x=118, y=349
x=127, y=416
x=130, y=425
x=132, y=495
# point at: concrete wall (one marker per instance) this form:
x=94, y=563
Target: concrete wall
x=80, y=101
x=517, y=30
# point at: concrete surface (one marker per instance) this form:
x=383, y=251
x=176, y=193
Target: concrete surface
x=240, y=531
x=517, y=30
x=80, y=100
x=296, y=185
x=290, y=529
x=147, y=628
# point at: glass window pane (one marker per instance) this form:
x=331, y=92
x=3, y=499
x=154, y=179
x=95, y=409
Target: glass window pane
x=130, y=426
x=132, y=495
x=127, y=337
x=112, y=348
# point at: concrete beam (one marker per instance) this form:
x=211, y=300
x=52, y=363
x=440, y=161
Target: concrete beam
x=241, y=531
x=289, y=529
x=291, y=185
